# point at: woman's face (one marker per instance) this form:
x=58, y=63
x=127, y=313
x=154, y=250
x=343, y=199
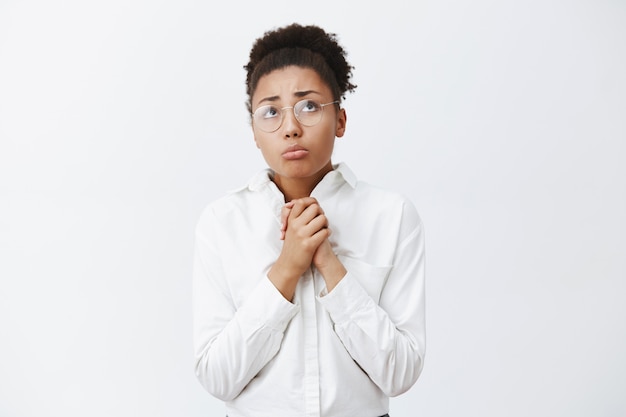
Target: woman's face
x=295, y=151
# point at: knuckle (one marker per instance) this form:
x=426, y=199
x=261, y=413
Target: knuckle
x=300, y=203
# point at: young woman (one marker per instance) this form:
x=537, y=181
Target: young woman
x=308, y=284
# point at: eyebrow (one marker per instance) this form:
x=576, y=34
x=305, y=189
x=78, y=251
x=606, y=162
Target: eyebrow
x=297, y=94
x=305, y=93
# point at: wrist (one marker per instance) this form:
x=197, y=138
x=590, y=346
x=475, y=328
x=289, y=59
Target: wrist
x=284, y=279
x=333, y=271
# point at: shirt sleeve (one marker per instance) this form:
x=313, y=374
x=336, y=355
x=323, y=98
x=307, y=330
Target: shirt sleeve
x=387, y=339
x=231, y=345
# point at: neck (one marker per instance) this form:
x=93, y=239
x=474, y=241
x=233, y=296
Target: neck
x=294, y=188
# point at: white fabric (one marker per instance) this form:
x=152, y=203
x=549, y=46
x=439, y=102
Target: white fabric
x=333, y=354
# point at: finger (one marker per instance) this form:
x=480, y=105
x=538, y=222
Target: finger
x=313, y=212
x=316, y=224
x=300, y=205
x=320, y=236
x=284, y=215
x=305, y=210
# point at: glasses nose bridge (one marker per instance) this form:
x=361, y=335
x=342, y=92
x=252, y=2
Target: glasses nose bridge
x=283, y=112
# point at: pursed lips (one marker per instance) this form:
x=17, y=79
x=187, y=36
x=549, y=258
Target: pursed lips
x=295, y=152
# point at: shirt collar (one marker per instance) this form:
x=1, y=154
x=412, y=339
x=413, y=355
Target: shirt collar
x=260, y=179
x=342, y=169
x=340, y=173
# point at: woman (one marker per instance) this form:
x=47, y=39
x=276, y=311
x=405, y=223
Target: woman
x=308, y=284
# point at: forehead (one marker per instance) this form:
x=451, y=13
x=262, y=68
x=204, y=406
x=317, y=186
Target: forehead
x=285, y=83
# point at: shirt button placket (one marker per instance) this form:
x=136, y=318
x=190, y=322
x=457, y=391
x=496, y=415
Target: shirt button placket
x=311, y=365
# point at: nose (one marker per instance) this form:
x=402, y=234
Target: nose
x=291, y=126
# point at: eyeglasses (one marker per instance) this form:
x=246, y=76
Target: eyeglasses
x=308, y=112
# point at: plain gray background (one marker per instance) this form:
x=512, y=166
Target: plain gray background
x=504, y=122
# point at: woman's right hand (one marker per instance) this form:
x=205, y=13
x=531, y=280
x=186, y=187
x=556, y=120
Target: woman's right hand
x=304, y=227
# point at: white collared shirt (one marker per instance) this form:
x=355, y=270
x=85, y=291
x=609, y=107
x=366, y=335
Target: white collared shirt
x=337, y=354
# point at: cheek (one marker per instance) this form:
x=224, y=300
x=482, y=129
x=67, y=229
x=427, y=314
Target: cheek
x=256, y=138
x=260, y=141
x=265, y=145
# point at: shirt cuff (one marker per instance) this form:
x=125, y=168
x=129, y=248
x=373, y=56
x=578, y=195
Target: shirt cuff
x=267, y=307
x=345, y=299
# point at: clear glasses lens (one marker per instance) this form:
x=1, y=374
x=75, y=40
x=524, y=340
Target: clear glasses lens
x=308, y=112
x=269, y=118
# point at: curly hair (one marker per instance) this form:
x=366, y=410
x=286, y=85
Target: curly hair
x=303, y=46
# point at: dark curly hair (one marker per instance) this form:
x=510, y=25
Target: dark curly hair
x=303, y=46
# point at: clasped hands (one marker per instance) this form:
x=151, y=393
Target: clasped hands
x=305, y=232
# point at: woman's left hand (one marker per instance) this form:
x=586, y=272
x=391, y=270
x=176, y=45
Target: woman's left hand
x=324, y=258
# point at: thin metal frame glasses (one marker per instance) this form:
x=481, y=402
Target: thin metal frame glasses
x=308, y=112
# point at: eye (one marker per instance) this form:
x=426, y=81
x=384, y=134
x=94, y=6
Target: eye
x=267, y=112
x=309, y=106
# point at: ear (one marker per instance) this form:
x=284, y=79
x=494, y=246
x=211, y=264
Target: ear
x=342, y=118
